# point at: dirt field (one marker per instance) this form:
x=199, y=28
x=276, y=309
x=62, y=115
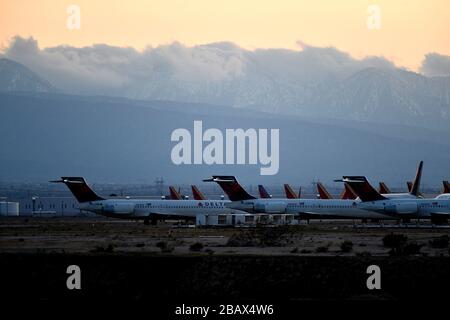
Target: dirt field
x=96, y=235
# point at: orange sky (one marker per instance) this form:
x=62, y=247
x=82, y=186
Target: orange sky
x=409, y=28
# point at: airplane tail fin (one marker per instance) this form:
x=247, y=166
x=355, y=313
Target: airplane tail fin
x=79, y=188
x=174, y=194
x=198, y=195
x=323, y=192
x=231, y=187
x=263, y=192
x=348, y=193
x=446, y=187
x=409, y=184
x=362, y=188
x=290, y=194
x=383, y=188
x=415, y=188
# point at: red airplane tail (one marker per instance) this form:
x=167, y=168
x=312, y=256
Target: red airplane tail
x=174, y=194
x=197, y=194
x=80, y=189
x=383, y=188
x=231, y=187
x=290, y=194
x=263, y=192
x=323, y=192
x=446, y=188
x=348, y=193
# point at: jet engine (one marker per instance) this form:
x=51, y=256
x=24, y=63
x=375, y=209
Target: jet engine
x=402, y=208
x=270, y=207
x=119, y=208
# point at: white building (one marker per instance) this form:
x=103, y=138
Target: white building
x=51, y=206
x=9, y=208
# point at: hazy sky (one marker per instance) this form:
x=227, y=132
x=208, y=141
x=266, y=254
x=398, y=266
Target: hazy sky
x=408, y=29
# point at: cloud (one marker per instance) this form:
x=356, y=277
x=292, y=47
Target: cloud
x=436, y=64
x=221, y=73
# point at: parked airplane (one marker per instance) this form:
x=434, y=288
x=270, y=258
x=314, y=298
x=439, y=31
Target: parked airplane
x=445, y=188
x=437, y=209
x=413, y=190
x=142, y=209
x=305, y=208
x=384, y=189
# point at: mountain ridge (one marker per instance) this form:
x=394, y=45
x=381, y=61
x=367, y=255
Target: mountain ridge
x=17, y=77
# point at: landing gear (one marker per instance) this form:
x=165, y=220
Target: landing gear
x=146, y=222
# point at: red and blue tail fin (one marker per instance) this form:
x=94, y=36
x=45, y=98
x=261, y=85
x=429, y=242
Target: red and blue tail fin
x=290, y=194
x=348, y=193
x=174, y=194
x=197, y=194
x=323, y=192
x=263, y=192
x=383, y=188
x=446, y=188
x=231, y=187
x=362, y=188
x=80, y=189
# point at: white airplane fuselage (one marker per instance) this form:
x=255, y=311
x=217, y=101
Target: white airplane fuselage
x=323, y=208
x=347, y=209
x=144, y=208
x=418, y=207
x=336, y=208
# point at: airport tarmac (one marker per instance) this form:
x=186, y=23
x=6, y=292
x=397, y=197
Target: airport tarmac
x=112, y=236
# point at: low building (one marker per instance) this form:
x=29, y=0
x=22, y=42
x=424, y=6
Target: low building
x=51, y=206
x=9, y=208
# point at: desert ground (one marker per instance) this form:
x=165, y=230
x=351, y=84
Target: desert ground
x=318, y=238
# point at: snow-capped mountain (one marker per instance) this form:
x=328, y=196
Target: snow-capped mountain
x=16, y=77
x=314, y=82
x=388, y=96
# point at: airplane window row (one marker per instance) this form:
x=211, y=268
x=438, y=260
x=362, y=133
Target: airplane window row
x=319, y=206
